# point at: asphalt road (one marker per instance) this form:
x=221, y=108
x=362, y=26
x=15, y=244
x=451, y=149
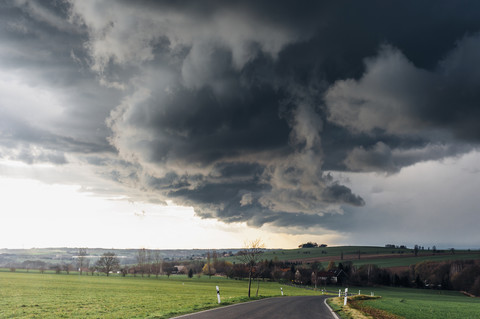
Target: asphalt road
x=300, y=307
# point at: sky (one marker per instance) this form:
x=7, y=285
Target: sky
x=207, y=124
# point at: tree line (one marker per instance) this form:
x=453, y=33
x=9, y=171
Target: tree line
x=461, y=275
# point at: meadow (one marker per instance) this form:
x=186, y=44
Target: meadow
x=35, y=295
x=423, y=304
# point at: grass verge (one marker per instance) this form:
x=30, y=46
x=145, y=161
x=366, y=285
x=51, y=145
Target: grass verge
x=345, y=312
x=357, y=302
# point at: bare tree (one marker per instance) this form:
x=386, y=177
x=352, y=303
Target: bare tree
x=107, y=263
x=92, y=269
x=82, y=259
x=124, y=271
x=316, y=267
x=215, y=259
x=149, y=263
x=142, y=260
x=249, y=256
x=57, y=268
x=168, y=268
x=157, y=263
x=66, y=268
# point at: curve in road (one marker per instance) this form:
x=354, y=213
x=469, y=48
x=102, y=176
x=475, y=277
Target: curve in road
x=300, y=307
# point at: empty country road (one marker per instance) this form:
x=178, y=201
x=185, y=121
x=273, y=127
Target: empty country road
x=300, y=307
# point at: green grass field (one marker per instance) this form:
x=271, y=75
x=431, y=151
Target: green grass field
x=34, y=295
x=301, y=253
x=423, y=304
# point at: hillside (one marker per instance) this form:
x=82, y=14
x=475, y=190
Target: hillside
x=52, y=256
x=385, y=257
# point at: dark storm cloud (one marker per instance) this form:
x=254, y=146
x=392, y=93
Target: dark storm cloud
x=244, y=105
x=51, y=104
x=201, y=127
x=239, y=108
x=395, y=96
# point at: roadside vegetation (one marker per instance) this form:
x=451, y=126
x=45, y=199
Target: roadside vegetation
x=345, y=312
x=415, y=304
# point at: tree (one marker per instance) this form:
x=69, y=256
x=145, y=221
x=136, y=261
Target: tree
x=309, y=245
x=66, y=268
x=316, y=267
x=107, y=263
x=331, y=266
x=196, y=266
x=142, y=260
x=157, y=263
x=81, y=259
x=168, y=268
x=148, y=262
x=208, y=270
x=92, y=269
x=124, y=271
x=260, y=271
x=476, y=287
x=215, y=259
x=57, y=268
x=208, y=265
x=249, y=256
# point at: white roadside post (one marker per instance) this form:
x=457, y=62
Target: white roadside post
x=339, y=293
x=345, y=300
x=359, y=292
x=281, y=290
x=218, y=294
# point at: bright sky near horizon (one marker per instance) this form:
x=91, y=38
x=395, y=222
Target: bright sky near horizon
x=164, y=124
x=42, y=215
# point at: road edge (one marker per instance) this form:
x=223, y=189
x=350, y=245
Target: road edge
x=241, y=303
x=227, y=306
x=330, y=308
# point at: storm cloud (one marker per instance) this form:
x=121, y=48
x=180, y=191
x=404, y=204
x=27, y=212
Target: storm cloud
x=242, y=109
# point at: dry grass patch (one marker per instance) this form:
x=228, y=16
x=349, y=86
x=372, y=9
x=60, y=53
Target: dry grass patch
x=356, y=302
x=346, y=312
